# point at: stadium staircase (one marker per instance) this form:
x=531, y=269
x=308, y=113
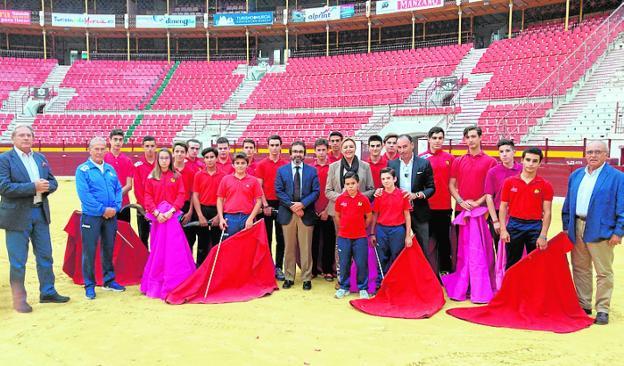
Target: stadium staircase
x=64, y=95
x=5, y=137
x=240, y=95
x=576, y=118
x=239, y=125
x=14, y=104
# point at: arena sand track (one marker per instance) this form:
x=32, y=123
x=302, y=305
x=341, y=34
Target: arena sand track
x=289, y=327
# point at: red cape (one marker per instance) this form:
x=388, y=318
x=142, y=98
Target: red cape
x=537, y=293
x=410, y=289
x=129, y=255
x=244, y=271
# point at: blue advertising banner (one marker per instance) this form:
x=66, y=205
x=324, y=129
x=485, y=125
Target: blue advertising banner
x=323, y=14
x=243, y=19
x=165, y=21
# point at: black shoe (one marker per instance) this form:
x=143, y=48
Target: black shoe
x=288, y=284
x=307, y=285
x=55, y=298
x=602, y=318
x=588, y=311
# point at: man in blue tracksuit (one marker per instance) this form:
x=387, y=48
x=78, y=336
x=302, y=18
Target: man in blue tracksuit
x=100, y=197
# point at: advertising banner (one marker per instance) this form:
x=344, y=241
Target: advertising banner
x=14, y=17
x=243, y=19
x=165, y=21
x=394, y=6
x=323, y=14
x=83, y=20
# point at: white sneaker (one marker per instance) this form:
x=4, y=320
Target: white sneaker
x=364, y=294
x=341, y=293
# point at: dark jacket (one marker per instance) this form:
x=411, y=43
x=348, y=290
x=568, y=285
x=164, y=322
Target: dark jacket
x=309, y=193
x=422, y=181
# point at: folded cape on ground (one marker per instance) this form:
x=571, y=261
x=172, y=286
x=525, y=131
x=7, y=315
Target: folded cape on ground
x=410, y=289
x=243, y=271
x=170, y=261
x=129, y=255
x=537, y=293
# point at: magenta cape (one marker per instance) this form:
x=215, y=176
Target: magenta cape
x=129, y=254
x=170, y=261
x=537, y=294
x=474, y=274
x=243, y=271
x=410, y=289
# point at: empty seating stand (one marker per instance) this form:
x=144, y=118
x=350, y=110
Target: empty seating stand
x=510, y=120
x=19, y=72
x=381, y=78
x=199, y=85
x=77, y=129
x=5, y=119
x=113, y=85
x=163, y=127
x=432, y=111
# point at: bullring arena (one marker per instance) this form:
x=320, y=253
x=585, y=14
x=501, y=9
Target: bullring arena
x=541, y=73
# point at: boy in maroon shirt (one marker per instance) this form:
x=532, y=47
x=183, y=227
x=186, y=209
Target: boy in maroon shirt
x=527, y=200
x=354, y=214
x=324, y=236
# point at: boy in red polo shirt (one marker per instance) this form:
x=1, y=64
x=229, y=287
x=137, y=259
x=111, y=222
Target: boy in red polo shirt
x=391, y=229
x=249, y=148
x=142, y=170
x=266, y=172
x=238, y=198
x=527, y=200
x=376, y=161
x=353, y=213
x=224, y=163
x=324, y=236
x=123, y=167
x=205, y=185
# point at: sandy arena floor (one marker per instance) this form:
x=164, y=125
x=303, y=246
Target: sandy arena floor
x=289, y=327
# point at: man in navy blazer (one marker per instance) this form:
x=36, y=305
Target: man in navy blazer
x=25, y=183
x=415, y=176
x=297, y=188
x=593, y=217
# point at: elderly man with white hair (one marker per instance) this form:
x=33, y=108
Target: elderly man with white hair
x=593, y=216
x=26, y=181
x=99, y=191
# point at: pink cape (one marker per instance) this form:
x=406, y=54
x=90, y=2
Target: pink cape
x=129, y=254
x=474, y=274
x=170, y=261
x=372, y=273
x=243, y=271
x=410, y=289
x=537, y=294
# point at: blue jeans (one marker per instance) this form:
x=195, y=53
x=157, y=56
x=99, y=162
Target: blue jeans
x=390, y=242
x=522, y=233
x=235, y=222
x=38, y=232
x=358, y=250
x=92, y=229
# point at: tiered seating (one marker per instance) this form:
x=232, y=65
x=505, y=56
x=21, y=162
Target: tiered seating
x=163, y=127
x=354, y=80
x=113, y=85
x=510, y=120
x=18, y=72
x=522, y=64
x=200, y=85
x=56, y=129
x=426, y=111
x=223, y=117
x=5, y=119
x=304, y=126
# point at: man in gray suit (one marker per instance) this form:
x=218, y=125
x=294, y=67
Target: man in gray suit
x=25, y=183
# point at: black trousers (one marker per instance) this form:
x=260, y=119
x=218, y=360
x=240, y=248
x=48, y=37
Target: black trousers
x=124, y=215
x=495, y=236
x=190, y=232
x=523, y=234
x=440, y=232
x=144, y=226
x=208, y=236
x=323, y=246
x=269, y=222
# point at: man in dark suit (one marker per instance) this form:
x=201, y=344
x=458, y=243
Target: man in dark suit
x=25, y=183
x=297, y=188
x=593, y=217
x=415, y=177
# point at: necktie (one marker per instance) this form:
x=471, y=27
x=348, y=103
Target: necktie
x=297, y=188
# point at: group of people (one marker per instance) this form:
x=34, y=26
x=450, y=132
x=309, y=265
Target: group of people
x=323, y=215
